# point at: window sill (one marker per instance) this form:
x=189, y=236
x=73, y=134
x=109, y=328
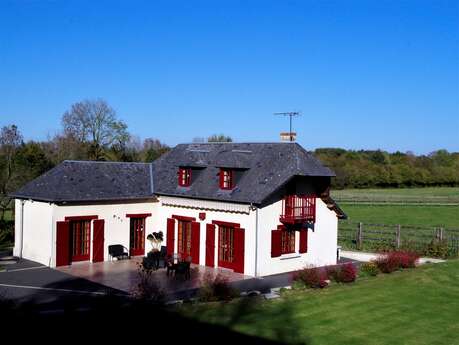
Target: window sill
x=290, y=256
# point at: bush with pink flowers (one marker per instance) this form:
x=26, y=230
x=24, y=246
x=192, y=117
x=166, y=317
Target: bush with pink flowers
x=393, y=261
x=346, y=273
x=313, y=277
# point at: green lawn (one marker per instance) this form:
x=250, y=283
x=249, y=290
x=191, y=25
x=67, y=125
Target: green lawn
x=428, y=216
x=399, y=195
x=419, y=306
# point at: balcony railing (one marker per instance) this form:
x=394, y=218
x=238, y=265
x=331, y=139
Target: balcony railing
x=298, y=209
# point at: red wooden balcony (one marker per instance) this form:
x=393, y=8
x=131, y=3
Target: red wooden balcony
x=298, y=209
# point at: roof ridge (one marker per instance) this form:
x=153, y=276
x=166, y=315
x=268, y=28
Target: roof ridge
x=241, y=142
x=103, y=162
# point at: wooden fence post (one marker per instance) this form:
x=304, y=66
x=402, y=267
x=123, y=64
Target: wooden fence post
x=397, y=236
x=359, y=235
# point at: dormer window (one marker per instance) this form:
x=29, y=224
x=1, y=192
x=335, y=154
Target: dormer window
x=226, y=179
x=184, y=177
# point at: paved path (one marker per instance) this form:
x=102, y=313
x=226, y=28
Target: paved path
x=366, y=257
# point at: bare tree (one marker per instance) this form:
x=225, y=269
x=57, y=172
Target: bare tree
x=94, y=122
x=219, y=138
x=10, y=141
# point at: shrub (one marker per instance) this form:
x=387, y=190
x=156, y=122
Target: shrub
x=369, y=268
x=346, y=273
x=313, y=277
x=437, y=249
x=393, y=261
x=332, y=272
x=216, y=289
x=6, y=232
x=149, y=261
x=148, y=288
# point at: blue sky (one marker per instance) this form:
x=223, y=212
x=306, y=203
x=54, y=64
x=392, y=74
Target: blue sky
x=364, y=74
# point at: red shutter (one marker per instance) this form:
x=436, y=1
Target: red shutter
x=239, y=243
x=276, y=249
x=303, y=240
x=98, y=241
x=210, y=245
x=62, y=243
x=170, y=236
x=195, y=242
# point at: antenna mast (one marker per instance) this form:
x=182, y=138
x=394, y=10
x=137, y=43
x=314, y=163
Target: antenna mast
x=290, y=114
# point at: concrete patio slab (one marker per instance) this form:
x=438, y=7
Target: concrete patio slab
x=124, y=275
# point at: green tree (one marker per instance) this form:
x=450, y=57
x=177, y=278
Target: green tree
x=219, y=138
x=10, y=141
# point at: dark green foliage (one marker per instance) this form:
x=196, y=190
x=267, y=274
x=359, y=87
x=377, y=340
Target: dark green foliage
x=369, y=268
x=216, y=289
x=437, y=249
x=365, y=169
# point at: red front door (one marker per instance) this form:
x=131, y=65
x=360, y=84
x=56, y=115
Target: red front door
x=80, y=235
x=184, y=238
x=226, y=246
x=137, y=237
x=231, y=248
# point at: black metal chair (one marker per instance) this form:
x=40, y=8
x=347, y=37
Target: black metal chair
x=118, y=251
x=183, y=270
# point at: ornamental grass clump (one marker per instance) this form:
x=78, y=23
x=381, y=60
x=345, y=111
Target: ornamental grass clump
x=369, y=269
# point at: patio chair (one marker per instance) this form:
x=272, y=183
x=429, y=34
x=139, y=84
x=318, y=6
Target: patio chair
x=183, y=270
x=169, y=264
x=118, y=251
x=162, y=256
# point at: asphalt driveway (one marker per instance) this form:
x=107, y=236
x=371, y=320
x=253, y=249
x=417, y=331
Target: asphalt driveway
x=28, y=281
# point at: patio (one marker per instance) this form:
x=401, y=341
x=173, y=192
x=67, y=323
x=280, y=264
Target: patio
x=123, y=275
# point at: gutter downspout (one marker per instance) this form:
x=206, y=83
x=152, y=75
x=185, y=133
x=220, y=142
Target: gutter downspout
x=256, y=238
x=22, y=229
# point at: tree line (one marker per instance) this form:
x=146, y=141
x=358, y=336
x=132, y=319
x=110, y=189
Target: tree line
x=381, y=169
x=91, y=130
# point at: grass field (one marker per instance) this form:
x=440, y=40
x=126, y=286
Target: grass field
x=435, y=195
x=417, y=306
x=425, y=216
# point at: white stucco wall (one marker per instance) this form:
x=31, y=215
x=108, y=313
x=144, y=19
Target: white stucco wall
x=220, y=211
x=322, y=241
x=35, y=232
x=39, y=241
x=39, y=228
x=117, y=225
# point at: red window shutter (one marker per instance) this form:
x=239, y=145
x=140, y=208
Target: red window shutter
x=195, y=242
x=98, y=241
x=210, y=245
x=62, y=243
x=276, y=238
x=239, y=243
x=304, y=241
x=170, y=236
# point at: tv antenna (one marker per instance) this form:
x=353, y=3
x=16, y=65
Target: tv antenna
x=291, y=115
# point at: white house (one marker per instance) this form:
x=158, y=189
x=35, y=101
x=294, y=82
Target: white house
x=255, y=208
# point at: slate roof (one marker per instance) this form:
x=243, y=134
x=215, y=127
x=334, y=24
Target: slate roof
x=265, y=167
x=262, y=168
x=85, y=181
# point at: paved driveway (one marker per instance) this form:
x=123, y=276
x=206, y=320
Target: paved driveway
x=27, y=281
